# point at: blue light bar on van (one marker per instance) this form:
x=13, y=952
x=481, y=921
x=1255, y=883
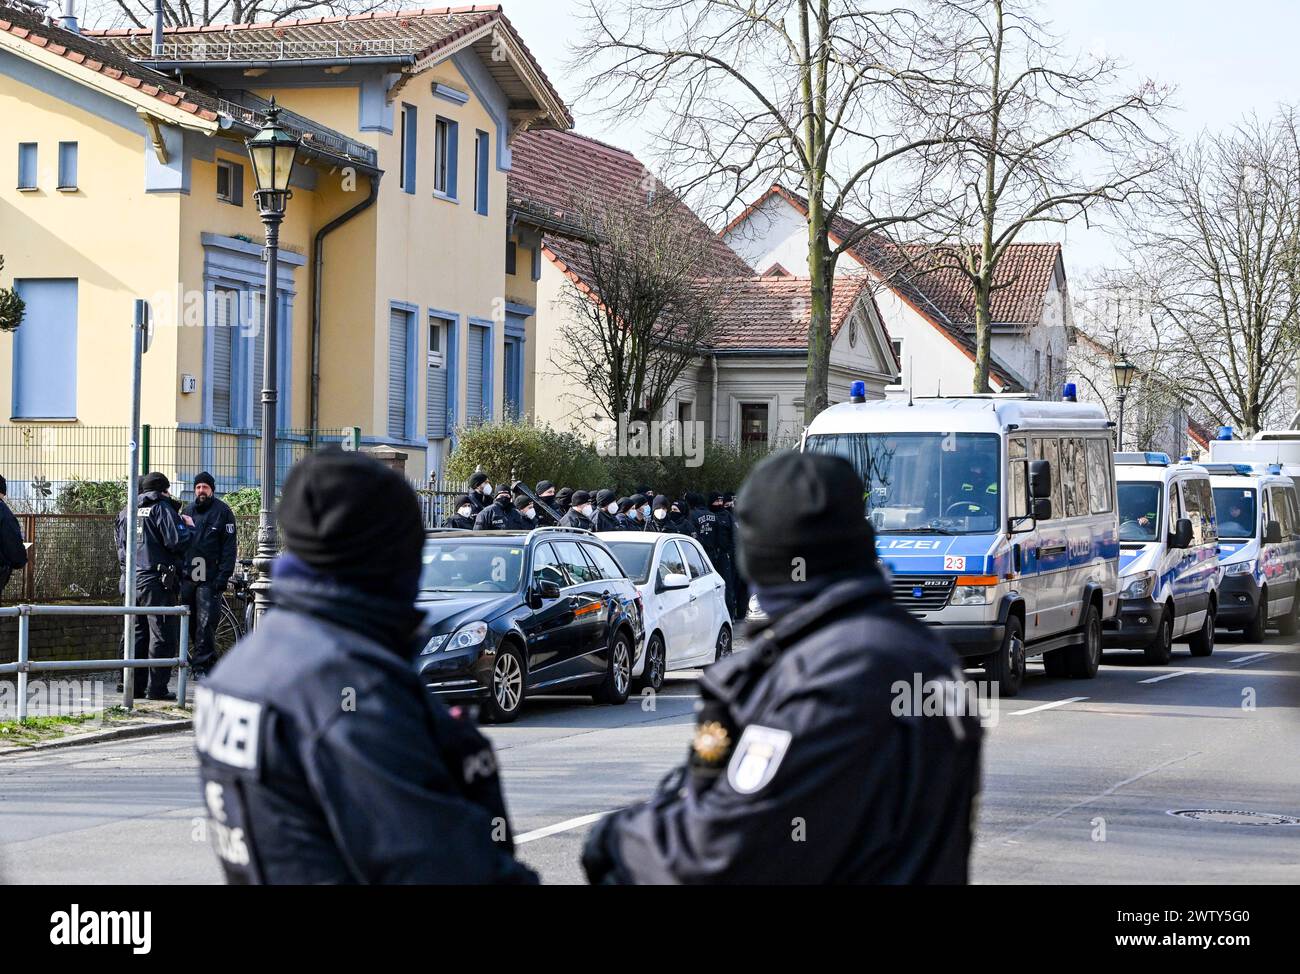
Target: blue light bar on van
x=1148, y=459
x=1229, y=469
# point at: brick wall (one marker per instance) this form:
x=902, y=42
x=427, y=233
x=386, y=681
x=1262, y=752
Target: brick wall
x=65, y=637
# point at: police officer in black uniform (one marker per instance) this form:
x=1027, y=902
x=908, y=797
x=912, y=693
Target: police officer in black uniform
x=579, y=513
x=462, y=516
x=323, y=758
x=808, y=764
x=680, y=519
x=724, y=533
x=705, y=525
x=563, y=497
x=604, y=518
x=501, y=515
x=164, y=537
x=208, y=566
x=480, y=492
x=658, y=520
x=13, y=556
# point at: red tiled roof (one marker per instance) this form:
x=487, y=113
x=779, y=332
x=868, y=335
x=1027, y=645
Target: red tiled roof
x=89, y=53
x=774, y=312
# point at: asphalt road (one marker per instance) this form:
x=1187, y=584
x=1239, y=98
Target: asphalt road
x=1080, y=777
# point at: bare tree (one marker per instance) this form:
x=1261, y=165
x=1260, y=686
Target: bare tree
x=848, y=105
x=1219, y=251
x=201, y=13
x=645, y=307
x=1047, y=138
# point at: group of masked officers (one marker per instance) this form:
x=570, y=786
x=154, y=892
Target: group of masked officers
x=710, y=520
x=185, y=555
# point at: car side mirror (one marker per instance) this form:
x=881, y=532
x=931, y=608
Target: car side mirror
x=1182, y=536
x=676, y=580
x=547, y=590
x=1272, y=533
x=1042, y=508
x=1040, y=479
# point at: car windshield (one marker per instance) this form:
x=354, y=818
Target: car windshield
x=461, y=566
x=1139, y=510
x=635, y=558
x=923, y=483
x=1235, y=508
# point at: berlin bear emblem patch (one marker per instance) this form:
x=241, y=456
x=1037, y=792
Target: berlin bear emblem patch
x=756, y=758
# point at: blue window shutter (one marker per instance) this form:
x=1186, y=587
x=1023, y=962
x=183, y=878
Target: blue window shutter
x=399, y=323
x=284, y=361
x=26, y=165
x=453, y=157
x=259, y=360
x=409, y=131
x=475, y=394
x=436, y=391
x=45, y=350
x=481, y=157
x=452, y=344
x=67, y=165
x=224, y=317
x=487, y=372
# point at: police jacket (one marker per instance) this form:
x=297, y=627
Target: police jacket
x=681, y=523
x=323, y=758
x=724, y=529
x=626, y=523
x=812, y=762
x=213, y=545
x=501, y=517
x=606, y=521
x=665, y=526
x=162, y=539
x=465, y=523
x=478, y=502
x=574, y=518
x=705, y=523
x=12, y=553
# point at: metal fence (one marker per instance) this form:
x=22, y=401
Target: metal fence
x=64, y=469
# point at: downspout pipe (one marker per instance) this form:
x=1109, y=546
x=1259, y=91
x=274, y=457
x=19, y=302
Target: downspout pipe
x=713, y=402
x=157, y=28
x=318, y=268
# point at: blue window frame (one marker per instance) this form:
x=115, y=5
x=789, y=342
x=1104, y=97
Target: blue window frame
x=45, y=350
x=482, y=158
x=409, y=135
x=67, y=165
x=446, y=151
x=440, y=407
x=26, y=165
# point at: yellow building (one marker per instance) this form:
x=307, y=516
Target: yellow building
x=125, y=176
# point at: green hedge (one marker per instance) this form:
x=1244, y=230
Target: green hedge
x=92, y=497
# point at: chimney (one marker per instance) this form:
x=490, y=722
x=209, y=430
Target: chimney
x=157, y=27
x=68, y=19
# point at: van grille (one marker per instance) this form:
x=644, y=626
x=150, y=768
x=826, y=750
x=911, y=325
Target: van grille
x=933, y=590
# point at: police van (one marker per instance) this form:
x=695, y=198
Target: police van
x=996, y=517
x=1259, y=547
x=1169, y=557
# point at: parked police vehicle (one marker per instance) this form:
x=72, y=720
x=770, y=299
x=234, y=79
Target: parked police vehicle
x=1263, y=450
x=1169, y=557
x=1259, y=547
x=996, y=517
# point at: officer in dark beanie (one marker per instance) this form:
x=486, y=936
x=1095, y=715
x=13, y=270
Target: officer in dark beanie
x=500, y=515
x=13, y=556
x=322, y=756
x=163, y=539
x=462, y=515
x=480, y=492
x=209, y=563
x=562, y=498
x=606, y=515
x=724, y=544
x=807, y=765
x=579, y=513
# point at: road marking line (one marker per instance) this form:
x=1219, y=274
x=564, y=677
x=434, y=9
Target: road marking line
x=565, y=826
x=1167, y=676
x=1242, y=660
x=1045, y=706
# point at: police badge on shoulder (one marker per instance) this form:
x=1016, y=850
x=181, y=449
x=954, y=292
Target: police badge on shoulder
x=757, y=758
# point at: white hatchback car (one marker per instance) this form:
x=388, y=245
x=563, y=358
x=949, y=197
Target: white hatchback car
x=684, y=599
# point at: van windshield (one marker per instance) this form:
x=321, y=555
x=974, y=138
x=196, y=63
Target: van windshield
x=1139, y=510
x=1235, y=508
x=923, y=483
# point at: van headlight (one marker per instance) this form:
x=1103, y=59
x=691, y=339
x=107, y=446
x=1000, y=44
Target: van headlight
x=1139, y=586
x=973, y=590
x=1239, y=568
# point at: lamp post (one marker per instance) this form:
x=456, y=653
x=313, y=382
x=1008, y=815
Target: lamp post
x=273, y=151
x=1124, y=370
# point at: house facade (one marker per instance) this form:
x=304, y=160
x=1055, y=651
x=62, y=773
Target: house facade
x=747, y=386
x=929, y=312
x=132, y=181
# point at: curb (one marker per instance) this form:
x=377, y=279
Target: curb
x=101, y=737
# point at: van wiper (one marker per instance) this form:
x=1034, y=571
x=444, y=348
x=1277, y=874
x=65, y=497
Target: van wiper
x=951, y=534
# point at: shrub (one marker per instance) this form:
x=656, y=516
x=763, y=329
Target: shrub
x=245, y=501
x=91, y=497
x=522, y=451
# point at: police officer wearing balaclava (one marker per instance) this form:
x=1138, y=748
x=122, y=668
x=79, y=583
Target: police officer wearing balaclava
x=208, y=566
x=808, y=765
x=500, y=515
x=680, y=519
x=323, y=758
x=462, y=515
x=705, y=525
x=724, y=544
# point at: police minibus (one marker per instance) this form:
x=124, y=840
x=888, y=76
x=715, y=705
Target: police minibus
x=1259, y=547
x=996, y=518
x=1169, y=557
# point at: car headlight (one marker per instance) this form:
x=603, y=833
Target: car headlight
x=435, y=643
x=973, y=590
x=470, y=634
x=1239, y=568
x=1139, y=586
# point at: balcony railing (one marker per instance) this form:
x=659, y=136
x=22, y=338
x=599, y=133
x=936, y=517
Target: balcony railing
x=244, y=106
x=218, y=48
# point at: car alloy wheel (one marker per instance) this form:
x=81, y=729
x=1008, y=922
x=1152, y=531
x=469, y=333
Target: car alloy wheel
x=622, y=668
x=507, y=683
x=724, y=644
x=656, y=664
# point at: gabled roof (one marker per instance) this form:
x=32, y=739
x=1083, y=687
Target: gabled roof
x=425, y=36
x=774, y=312
x=116, y=68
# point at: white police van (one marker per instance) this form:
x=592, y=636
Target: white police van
x=1259, y=547
x=995, y=516
x=1169, y=557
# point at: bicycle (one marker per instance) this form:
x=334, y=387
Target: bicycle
x=236, y=618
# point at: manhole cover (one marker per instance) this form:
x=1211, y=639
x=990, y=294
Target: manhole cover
x=1232, y=816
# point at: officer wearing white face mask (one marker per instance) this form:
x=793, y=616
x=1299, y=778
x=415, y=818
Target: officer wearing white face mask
x=659, y=520
x=528, y=510
x=606, y=518
x=579, y=513
x=463, y=518
x=480, y=493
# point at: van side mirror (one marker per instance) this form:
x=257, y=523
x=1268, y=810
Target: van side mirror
x=1040, y=479
x=1272, y=533
x=1042, y=507
x=1182, y=536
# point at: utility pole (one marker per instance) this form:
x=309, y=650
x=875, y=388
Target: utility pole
x=140, y=339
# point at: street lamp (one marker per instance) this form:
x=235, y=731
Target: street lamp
x=273, y=151
x=1124, y=370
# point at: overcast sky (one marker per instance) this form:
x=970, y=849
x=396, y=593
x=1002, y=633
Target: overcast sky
x=1225, y=59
